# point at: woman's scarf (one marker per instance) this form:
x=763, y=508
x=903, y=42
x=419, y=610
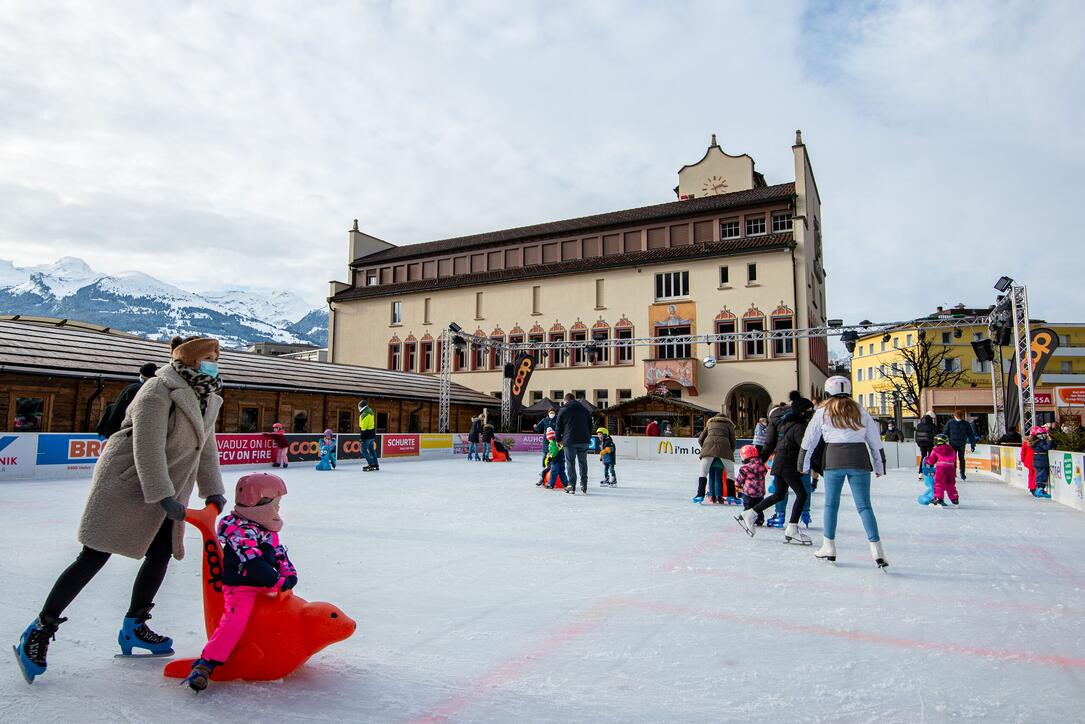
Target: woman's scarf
x=203, y=385
x=265, y=516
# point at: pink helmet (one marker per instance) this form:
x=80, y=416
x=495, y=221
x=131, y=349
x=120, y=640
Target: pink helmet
x=254, y=487
x=1037, y=430
x=277, y=426
x=748, y=452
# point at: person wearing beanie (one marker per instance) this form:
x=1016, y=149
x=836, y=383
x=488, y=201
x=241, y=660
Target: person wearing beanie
x=717, y=443
x=367, y=434
x=113, y=417
x=555, y=462
x=254, y=561
x=280, y=454
x=327, y=451
x=140, y=488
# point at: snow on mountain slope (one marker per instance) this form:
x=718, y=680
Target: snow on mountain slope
x=278, y=306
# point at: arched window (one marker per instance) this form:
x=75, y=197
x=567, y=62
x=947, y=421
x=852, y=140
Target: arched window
x=579, y=333
x=478, y=352
x=753, y=321
x=623, y=329
x=410, y=354
x=783, y=320
x=537, y=335
x=516, y=340
x=427, y=356
x=395, y=353
x=557, y=355
x=497, y=337
x=600, y=332
x=726, y=323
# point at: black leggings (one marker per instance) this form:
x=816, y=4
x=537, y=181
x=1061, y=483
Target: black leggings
x=89, y=561
x=794, y=481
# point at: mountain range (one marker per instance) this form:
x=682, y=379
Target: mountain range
x=140, y=304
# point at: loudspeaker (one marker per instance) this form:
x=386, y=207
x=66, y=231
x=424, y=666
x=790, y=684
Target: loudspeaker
x=508, y=371
x=985, y=351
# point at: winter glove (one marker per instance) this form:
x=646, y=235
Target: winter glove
x=259, y=572
x=174, y=510
x=219, y=501
x=973, y=448
x=288, y=583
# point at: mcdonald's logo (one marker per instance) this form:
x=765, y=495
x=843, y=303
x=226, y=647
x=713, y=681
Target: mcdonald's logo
x=665, y=446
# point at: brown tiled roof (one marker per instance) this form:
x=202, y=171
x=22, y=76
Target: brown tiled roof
x=43, y=347
x=706, y=205
x=705, y=250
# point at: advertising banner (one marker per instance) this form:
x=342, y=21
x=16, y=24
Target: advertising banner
x=399, y=446
x=244, y=449
x=349, y=447
x=1070, y=396
x=514, y=442
x=1043, y=399
x=521, y=375
x=18, y=455
x=68, y=454
x=1044, y=344
x=435, y=444
x=303, y=447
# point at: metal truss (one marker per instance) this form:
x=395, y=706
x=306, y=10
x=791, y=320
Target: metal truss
x=444, y=396
x=1022, y=338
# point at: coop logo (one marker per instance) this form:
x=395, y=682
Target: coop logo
x=522, y=375
x=305, y=447
x=8, y=459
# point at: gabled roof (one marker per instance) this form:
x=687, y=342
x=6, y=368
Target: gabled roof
x=707, y=250
x=665, y=404
x=49, y=346
x=706, y=205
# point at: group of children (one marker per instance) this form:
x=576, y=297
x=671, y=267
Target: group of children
x=280, y=455
x=553, y=473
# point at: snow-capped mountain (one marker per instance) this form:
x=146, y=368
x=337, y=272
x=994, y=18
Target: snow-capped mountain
x=139, y=303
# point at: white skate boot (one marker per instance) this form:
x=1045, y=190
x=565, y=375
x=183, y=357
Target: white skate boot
x=827, y=552
x=879, y=554
x=746, y=519
x=792, y=534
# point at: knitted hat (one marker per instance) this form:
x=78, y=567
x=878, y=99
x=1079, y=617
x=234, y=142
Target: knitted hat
x=191, y=350
x=254, y=487
x=800, y=406
x=148, y=370
x=277, y=426
x=328, y=433
x=551, y=435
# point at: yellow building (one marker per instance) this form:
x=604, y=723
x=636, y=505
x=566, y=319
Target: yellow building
x=880, y=358
x=732, y=254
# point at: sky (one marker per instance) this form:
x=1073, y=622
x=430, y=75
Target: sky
x=214, y=144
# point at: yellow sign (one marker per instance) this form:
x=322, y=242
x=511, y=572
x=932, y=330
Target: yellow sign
x=436, y=442
x=665, y=446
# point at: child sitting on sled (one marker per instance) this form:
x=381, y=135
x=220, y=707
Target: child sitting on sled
x=554, y=469
x=254, y=564
x=327, y=452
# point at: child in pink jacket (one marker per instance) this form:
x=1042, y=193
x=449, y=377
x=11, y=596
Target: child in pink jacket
x=282, y=445
x=751, y=479
x=944, y=459
x=254, y=564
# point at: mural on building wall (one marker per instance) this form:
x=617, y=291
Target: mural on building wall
x=678, y=314
x=681, y=371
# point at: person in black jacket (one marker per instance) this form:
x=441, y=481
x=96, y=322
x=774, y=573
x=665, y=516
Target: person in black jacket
x=474, y=437
x=574, y=428
x=487, y=442
x=113, y=417
x=549, y=422
x=925, y=430
x=960, y=433
x=786, y=441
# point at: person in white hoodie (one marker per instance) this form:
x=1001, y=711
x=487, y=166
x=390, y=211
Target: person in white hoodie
x=853, y=449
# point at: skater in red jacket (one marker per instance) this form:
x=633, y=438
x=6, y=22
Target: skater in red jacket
x=944, y=459
x=278, y=455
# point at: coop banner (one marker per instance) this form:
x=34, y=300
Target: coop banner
x=349, y=447
x=521, y=375
x=243, y=449
x=303, y=447
x=18, y=455
x=1044, y=344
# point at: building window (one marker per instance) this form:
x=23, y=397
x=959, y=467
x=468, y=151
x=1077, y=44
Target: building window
x=249, y=420
x=495, y=352
x=947, y=337
x=536, y=396
x=602, y=399
x=896, y=342
x=535, y=292
x=427, y=357
x=729, y=229
x=343, y=421
x=394, y=354
x=755, y=225
x=1064, y=340
x=726, y=348
x=580, y=354
x=425, y=311
x=557, y=354
x=580, y=394
x=557, y=395
x=751, y=273
x=673, y=350
x=371, y=278
x=478, y=357
x=783, y=346
x=601, y=335
x=781, y=223
x=478, y=305
x=411, y=357
x=397, y=312
x=599, y=294
x=382, y=422
x=981, y=367
x=884, y=345
x=725, y=277
x=625, y=395
x=459, y=357
x=301, y=421
x=951, y=364
x=859, y=376
x=754, y=346
x=908, y=340
x=672, y=285
x=516, y=341
x=625, y=352
x=1065, y=366
x=537, y=352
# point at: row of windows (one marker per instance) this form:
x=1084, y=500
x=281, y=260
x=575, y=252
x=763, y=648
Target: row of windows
x=600, y=398
x=755, y=225
x=946, y=338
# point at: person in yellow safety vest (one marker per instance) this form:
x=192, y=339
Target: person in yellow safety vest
x=367, y=423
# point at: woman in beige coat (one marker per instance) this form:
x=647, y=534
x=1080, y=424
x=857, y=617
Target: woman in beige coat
x=717, y=442
x=138, y=495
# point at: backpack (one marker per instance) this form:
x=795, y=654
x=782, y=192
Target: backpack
x=113, y=415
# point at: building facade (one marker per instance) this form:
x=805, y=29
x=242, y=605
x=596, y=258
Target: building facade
x=732, y=254
x=881, y=358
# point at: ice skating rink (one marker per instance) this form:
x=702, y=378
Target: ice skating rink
x=480, y=597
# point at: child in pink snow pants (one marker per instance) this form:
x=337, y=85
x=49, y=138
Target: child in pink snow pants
x=944, y=459
x=254, y=564
x=282, y=445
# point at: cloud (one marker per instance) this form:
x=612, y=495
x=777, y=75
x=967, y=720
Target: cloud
x=206, y=145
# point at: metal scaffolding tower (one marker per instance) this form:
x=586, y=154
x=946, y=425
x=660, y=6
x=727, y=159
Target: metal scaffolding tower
x=1022, y=338
x=444, y=405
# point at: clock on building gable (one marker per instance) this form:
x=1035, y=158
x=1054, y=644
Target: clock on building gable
x=714, y=185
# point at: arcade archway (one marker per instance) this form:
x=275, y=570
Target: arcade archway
x=745, y=404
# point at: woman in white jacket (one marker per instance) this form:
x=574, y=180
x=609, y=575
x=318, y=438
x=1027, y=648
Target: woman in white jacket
x=853, y=449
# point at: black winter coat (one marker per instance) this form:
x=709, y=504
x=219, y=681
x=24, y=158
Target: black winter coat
x=113, y=417
x=789, y=430
x=771, y=432
x=925, y=430
x=475, y=433
x=488, y=434
x=545, y=424
x=574, y=424
x=960, y=433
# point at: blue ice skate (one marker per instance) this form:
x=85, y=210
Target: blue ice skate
x=698, y=499
x=806, y=518
x=135, y=634
x=34, y=646
x=775, y=521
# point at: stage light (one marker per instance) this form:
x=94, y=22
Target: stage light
x=886, y=338
x=849, y=339
x=454, y=328
x=834, y=323
x=958, y=333
x=1003, y=284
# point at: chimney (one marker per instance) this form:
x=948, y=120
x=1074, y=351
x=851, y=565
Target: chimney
x=939, y=309
x=713, y=141
x=798, y=137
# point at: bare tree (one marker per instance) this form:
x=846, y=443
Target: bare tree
x=922, y=366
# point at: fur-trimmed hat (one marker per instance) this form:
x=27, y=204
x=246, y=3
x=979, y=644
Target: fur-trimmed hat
x=190, y=350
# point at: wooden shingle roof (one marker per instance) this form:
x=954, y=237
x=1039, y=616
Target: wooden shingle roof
x=38, y=345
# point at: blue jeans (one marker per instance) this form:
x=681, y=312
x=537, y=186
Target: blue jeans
x=608, y=471
x=715, y=482
x=859, y=480
x=557, y=471
x=369, y=450
x=781, y=507
x=485, y=447
x=577, y=453
x=472, y=451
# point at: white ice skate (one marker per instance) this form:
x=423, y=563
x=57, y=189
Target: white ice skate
x=792, y=534
x=827, y=552
x=879, y=554
x=746, y=519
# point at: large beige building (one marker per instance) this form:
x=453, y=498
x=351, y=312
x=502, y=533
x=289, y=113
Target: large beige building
x=731, y=254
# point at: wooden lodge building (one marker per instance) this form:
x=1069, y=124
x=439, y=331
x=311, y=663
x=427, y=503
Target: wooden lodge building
x=59, y=375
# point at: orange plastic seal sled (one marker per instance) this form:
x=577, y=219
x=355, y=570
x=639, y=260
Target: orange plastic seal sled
x=284, y=632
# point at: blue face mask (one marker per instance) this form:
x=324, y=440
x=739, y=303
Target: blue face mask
x=211, y=369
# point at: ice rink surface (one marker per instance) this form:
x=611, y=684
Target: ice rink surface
x=480, y=597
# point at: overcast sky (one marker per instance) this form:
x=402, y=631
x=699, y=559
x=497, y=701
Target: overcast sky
x=212, y=144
